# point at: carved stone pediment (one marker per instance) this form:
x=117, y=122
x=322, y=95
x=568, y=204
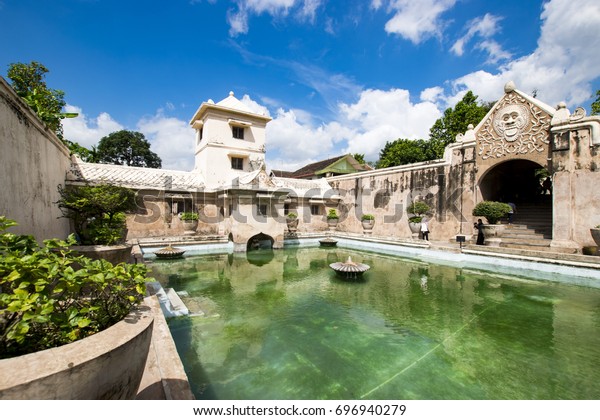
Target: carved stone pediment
x=516, y=127
x=257, y=179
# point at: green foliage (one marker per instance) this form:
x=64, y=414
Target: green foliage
x=418, y=208
x=596, y=104
x=360, y=158
x=49, y=296
x=415, y=219
x=127, y=148
x=28, y=82
x=402, y=152
x=456, y=120
x=86, y=155
x=292, y=215
x=332, y=214
x=188, y=216
x=367, y=217
x=97, y=211
x=491, y=210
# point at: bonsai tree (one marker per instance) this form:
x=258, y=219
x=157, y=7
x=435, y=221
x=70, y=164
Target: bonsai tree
x=367, y=217
x=332, y=215
x=97, y=212
x=418, y=208
x=188, y=216
x=491, y=210
x=49, y=296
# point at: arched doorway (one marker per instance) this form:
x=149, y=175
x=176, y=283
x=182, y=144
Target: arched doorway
x=259, y=249
x=515, y=180
x=260, y=241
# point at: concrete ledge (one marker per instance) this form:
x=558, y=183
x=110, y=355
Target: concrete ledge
x=106, y=365
x=164, y=376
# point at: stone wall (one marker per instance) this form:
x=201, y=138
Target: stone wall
x=33, y=162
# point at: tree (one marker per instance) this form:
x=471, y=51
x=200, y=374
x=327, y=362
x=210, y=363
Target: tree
x=87, y=155
x=456, y=120
x=359, y=157
x=28, y=82
x=127, y=148
x=402, y=152
x=596, y=104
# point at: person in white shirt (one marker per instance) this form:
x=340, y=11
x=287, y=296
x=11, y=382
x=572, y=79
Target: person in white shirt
x=425, y=229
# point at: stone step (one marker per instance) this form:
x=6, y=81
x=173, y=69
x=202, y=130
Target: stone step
x=525, y=246
x=525, y=241
x=525, y=236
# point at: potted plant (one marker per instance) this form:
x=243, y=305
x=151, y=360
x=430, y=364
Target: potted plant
x=292, y=222
x=190, y=222
x=595, y=231
x=367, y=221
x=332, y=219
x=493, y=211
x=418, y=209
x=98, y=216
x=57, y=305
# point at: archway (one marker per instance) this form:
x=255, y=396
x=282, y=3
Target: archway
x=514, y=180
x=260, y=241
x=259, y=249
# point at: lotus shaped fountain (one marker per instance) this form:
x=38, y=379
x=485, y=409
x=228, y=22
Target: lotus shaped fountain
x=349, y=269
x=169, y=253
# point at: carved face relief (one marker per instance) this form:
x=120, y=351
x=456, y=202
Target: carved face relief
x=510, y=121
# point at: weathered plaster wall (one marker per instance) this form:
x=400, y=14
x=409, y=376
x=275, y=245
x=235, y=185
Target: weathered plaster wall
x=33, y=162
x=445, y=185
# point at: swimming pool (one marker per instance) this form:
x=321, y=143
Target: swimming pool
x=281, y=325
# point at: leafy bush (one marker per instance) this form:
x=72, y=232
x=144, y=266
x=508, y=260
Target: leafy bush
x=292, y=215
x=491, y=210
x=49, y=296
x=367, y=217
x=418, y=208
x=97, y=211
x=332, y=214
x=188, y=217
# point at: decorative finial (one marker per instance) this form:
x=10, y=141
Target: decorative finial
x=561, y=104
x=231, y=93
x=470, y=127
x=509, y=87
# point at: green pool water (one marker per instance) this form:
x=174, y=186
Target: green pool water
x=282, y=325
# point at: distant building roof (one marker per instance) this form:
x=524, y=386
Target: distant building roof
x=339, y=165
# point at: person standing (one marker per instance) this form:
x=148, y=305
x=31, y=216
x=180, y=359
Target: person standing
x=480, y=237
x=425, y=229
x=511, y=212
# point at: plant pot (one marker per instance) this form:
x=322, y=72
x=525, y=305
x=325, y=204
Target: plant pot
x=106, y=365
x=189, y=226
x=595, y=235
x=493, y=234
x=332, y=224
x=415, y=229
x=368, y=226
x=292, y=225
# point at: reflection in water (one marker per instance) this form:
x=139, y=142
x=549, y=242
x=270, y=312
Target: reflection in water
x=289, y=329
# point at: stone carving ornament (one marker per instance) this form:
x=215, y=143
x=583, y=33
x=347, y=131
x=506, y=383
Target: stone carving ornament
x=517, y=127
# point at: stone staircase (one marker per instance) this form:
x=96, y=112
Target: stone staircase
x=531, y=228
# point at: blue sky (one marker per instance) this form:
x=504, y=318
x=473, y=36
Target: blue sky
x=336, y=76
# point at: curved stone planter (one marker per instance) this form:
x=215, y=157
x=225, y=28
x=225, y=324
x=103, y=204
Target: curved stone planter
x=189, y=227
x=493, y=234
x=332, y=224
x=367, y=226
x=292, y=225
x=415, y=229
x=106, y=365
x=595, y=235
x=114, y=254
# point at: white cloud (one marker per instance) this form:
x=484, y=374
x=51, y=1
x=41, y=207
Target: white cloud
x=416, y=21
x=238, y=18
x=255, y=106
x=482, y=28
x=561, y=68
x=385, y=116
x=85, y=131
x=171, y=139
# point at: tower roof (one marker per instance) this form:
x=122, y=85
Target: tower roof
x=229, y=104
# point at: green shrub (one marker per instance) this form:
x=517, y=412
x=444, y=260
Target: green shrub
x=332, y=214
x=491, y=210
x=97, y=211
x=415, y=219
x=418, y=208
x=49, y=296
x=292, y=215
x=367, y=217
x=189, y=217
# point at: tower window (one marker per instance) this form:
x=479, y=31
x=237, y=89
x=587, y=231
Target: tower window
x=238, y=132
x=237, y=163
